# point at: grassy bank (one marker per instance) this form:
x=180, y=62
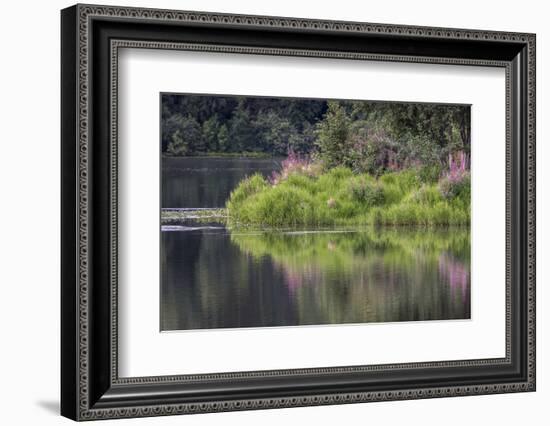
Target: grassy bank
x=340, y=197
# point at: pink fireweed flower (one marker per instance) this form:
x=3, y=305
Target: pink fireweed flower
x=457, y=168
x=458, y=172
x=294, y=163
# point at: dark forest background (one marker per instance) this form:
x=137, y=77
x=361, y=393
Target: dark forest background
x=378, y=132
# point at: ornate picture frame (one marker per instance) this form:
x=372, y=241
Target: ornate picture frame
x=91, y=37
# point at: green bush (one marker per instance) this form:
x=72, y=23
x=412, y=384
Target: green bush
x=367, y=192
x=301, y=181
x=426, y=194
x=457, y=185
x=405, y=180
x=338, y=197
x=429, y=174
x=247, y=187
x=283, y=206
x=338, y=173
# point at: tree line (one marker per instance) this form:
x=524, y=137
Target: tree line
x=363, y=135
x=194, y=124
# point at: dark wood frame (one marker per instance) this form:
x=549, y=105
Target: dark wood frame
x=90, y=38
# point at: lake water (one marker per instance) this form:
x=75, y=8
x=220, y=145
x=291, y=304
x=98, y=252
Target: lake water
x=207, y=182
x=214, y=278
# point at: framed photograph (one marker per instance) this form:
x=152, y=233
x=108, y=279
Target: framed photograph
x=263, y=212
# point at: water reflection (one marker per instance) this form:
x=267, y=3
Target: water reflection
x=218, y=279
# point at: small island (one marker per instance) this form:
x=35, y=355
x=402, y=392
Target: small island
x=359, y=168
x=306, y=194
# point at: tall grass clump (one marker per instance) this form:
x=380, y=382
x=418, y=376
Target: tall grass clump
x=296, y=196
x=248, y=187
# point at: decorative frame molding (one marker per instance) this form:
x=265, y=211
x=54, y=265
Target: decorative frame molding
x=91, y=388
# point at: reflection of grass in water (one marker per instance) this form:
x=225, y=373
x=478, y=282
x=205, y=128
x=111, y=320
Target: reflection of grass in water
x=330, y=249
x=368, y=275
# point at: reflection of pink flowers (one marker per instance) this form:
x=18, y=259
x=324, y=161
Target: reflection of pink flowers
x=293, y=281
x=455, y=272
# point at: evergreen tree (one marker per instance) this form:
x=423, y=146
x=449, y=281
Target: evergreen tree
x=241, y=130
x=302, y=142
x=274, y=132
x=223, y=138
x=210, y=130
x=186, y=137
x=333, y=135
x=178, y=146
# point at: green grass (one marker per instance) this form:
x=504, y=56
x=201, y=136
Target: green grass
x=340, y=197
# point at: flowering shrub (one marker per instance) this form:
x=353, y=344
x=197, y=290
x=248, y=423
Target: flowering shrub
x=371, y=151
x=295, y=164
x=457, y=180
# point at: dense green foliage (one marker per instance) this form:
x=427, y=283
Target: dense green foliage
x=340, y=197
x=233, y=124
x=380, y=137
x=372, y=137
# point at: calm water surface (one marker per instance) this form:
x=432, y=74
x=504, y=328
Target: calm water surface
x=207, y=182
x=216, y=278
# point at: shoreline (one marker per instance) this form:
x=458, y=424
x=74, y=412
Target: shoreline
x=209, y=215
x=252, y=155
